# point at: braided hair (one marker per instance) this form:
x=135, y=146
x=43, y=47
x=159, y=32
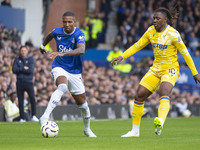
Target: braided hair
x=171, y=14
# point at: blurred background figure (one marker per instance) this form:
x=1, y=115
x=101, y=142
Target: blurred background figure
x=23, y=67
x=11, y=108
x=6, y=3
x=123, y=67
x=182, y=106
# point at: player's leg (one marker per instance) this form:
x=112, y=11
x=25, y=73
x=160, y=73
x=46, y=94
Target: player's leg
x=167, y=83
x=141, y=95
x=61, y=83
x=85, y=113
x=77, y=90
x=147, y=86
x=60, y=78
x=163, y=109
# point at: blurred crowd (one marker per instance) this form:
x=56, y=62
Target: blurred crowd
x=95, y=25
x=135, y=16
x=104, y=85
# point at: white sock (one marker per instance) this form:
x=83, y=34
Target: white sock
x=55, y=98
x=136, y=128
x=85, y=113
x=162, y=121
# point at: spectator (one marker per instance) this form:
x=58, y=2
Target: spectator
x=193, y=41
x=85, y=30
x=129, y=42
x=118, y=42
x=6, y=3
x=15, y=35
x=11, y=108
x=114, y=53
x=197, y=53
x=23, y=67
x=181, y=106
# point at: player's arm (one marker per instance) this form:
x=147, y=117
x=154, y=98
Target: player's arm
x=45, y=42
x=80, y=50
x=140, y=44
x=177, y=41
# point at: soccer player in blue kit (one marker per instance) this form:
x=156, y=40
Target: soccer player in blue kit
x=67, y=68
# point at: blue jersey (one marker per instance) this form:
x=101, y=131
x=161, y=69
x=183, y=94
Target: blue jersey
x=68, y=42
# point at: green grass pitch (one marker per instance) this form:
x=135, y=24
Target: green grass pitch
x=178, y=134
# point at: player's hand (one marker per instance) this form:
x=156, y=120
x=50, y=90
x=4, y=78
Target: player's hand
x=116, y=60
x=53, y=55
x=197, y=78
x=43, y=49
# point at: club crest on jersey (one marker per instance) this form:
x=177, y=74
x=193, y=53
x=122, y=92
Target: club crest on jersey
x=59, y=38
x=179, y=39
x=73, y=40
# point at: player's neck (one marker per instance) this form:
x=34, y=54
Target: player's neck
x=163, y=28
x=70, y=32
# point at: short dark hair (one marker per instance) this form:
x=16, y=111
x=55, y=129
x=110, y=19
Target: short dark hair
x=11, y=94
x=69, y=13
x=22, y=47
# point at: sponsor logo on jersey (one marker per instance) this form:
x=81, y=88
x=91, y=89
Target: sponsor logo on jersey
x=159, y=46
x=63, y=49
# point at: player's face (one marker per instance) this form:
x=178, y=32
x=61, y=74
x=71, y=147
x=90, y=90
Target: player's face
x=159, y=21
x=69, y=24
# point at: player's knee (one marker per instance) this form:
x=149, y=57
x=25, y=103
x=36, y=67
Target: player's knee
x=62, y=87
x=84, y=106
x=164, y=92
x=140, y=97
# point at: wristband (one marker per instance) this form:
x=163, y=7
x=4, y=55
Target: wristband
x=42, y=46
x=121, y=56
x=195, y=75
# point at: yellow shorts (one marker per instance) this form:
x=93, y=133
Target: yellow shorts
x=152, y=79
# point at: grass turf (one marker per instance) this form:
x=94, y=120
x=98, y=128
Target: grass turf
x=178, y=134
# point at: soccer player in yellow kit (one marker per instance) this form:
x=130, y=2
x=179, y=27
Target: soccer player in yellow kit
x=165, y=41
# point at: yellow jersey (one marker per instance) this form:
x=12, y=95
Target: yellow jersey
x=165, y=45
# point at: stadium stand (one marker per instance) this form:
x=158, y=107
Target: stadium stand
x=103, y=84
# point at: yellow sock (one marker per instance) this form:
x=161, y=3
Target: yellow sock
x=163, y=109
x=137, y=112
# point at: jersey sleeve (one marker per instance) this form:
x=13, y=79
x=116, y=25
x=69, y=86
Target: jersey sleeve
x=53, y=33
x=80, y=37
x=140, y=44
x=177, y=41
